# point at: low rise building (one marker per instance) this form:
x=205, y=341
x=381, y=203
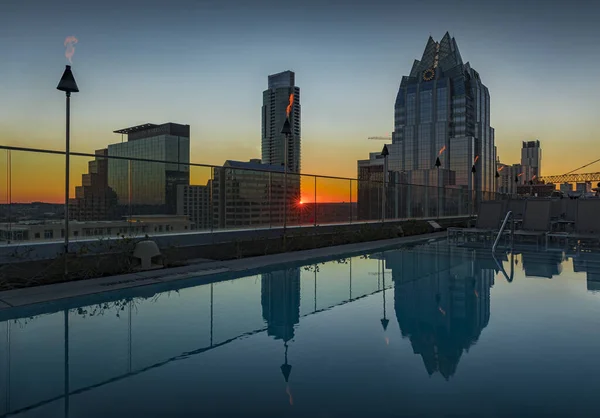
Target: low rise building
x=566, y=188
x=194, y=202
x=94, y=199
x=538, y=190
x=251, y=194
x=132, y=226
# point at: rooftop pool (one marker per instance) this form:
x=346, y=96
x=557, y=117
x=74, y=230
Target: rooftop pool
x=430, y=330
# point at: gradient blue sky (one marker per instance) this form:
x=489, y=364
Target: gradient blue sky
x=205, y=63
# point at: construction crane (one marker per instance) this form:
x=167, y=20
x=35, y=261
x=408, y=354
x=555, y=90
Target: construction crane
x=380, y=138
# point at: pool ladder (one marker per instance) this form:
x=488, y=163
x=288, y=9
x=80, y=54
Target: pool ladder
x=512, y=232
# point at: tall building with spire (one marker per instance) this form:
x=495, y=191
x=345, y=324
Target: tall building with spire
x=276, y=99
x=444, y=103
x=442, y=109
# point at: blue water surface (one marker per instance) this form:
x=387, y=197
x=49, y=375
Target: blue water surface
x=432, y=330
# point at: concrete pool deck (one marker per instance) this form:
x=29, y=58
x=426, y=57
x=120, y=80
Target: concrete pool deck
x=196, y=269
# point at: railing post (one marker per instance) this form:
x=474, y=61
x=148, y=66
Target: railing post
x=315, y=204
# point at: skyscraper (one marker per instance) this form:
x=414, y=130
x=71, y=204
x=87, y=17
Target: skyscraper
x=276, y=99
x=443, y=105
x=531, y=156
x=149, y=187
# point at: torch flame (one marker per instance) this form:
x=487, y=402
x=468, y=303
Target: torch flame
x=289, y=106
x=387, y=341
x=476, y=294
x=287, y=390
x=534, y=177
x=70, y=42
x=476, y=158
x=441, y=310
x=442, y=150
x=501, y=168
x=520, y=174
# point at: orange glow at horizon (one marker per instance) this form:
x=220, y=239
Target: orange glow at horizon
x=289, y=106
x=441, y=151
x=70, y=42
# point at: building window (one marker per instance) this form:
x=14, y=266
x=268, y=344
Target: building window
x=48, y=234
x=442, y=106
x=37, y=235
x=411, y=107
x=426, y=103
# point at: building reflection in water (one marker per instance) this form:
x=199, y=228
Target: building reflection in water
x=280, y=300
x=440, y=297
x=442, y=302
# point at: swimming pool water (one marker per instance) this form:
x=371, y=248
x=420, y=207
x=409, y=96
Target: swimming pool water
x=434, y=330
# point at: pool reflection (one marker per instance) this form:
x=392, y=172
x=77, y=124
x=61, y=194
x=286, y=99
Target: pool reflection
x=440, y=297
x=442, y=303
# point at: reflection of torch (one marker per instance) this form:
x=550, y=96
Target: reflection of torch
x=68, y=85
x=288, y=109
x=438, y=163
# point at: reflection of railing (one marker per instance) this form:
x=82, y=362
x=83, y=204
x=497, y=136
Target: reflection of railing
x=343, y=296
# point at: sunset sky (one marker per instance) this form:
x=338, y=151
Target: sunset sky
x=205, y=63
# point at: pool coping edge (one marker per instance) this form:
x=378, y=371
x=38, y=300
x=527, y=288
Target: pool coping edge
x=16, y=298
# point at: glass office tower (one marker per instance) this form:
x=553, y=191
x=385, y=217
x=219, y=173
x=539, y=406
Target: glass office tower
x=443, y=103
x=147, y=187
x=275, y=102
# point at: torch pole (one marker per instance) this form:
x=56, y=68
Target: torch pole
x=383, y=195
x=439, y=202
x=531, y=188
x=285, y=170
x=67, y=169
x=472, y=194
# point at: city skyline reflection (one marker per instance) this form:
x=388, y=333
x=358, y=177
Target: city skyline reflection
x=434, y=299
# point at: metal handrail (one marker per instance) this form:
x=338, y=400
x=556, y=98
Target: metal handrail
x=508, y=215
